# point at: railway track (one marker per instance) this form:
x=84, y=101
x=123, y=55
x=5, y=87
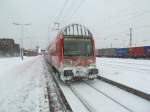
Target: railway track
x=132, y=65
x=126, y=88
x=65, y=107
x=136, y=69
x=57, y=101
x=87, y=106
x=129, y=63
x=109, y=97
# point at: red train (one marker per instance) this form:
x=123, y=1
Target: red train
x=72, y=54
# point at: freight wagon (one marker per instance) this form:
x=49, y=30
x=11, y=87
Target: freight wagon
x=136, y=52
x=122, y=52
x=147, y=51
x=108, y=52
x=132, y=52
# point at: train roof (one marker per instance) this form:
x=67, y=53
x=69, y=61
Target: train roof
x=76, y=30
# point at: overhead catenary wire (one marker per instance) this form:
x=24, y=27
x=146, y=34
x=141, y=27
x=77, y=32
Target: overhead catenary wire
x=137, y=15
x=120, y=12
x=132, y=17
x=114, y=34
x=128, y=18
x=61, y=11
x=125, y=31
x=66, y=14
x=75, y=11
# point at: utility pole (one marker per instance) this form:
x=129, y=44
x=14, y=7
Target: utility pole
x=22, y=27
x=130, y=37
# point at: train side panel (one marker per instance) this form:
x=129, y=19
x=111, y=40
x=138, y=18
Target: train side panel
x=136, y=52
x=122, y=52
x=100, y=52
x=147, y=51
x=110, y=52
x=53, y=54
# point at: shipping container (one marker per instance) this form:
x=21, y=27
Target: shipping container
x=136, y=52
x=100, y=52
x=122, y=52
x=97, y=54
x=109, y=52
x=147, y=51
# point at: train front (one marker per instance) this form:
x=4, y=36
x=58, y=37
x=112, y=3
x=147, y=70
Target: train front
x=78, y=60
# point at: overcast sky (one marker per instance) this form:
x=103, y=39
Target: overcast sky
x=108, y=20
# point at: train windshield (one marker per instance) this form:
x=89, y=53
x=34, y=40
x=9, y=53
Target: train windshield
x=77, y=47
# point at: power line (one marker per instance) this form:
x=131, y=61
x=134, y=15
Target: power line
x=61, y=11
x=137, y=15
x=114, y=34
x=75, y=11
x=143, y=26
x=127, y=8
x=55, y=22
x=124, y=31
x=133, y=17
x=70, y=7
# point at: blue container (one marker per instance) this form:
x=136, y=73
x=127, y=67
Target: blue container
x=122, y=52
x=147, y=51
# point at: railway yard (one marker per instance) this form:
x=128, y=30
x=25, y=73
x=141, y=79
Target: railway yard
x=74, y=56
x=31, y=85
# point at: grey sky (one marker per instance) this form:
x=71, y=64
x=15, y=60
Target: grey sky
x=108, y=20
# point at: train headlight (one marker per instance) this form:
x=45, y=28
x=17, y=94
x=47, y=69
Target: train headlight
x=68, y=73
x=93, y=71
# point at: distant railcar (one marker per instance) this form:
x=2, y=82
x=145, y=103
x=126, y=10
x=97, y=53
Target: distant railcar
x=100, y=52
x=147, y=51
x=72, y=54
x=136, y=52
x=109, y=52
x=122, y=52
x=131, y=52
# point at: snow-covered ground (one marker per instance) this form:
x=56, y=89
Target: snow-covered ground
x=118, y=101
x=22, y=85
x=130, y=72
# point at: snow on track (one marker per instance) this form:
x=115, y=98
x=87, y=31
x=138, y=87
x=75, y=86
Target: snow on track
x=133, y=102
x=96, y=100
x=75, y=103
x=117, y=70
x=109, y=99
x=22, y=85
x=131, y=67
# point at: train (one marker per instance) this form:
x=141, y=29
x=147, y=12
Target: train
x=72, y=54
x=131, y=52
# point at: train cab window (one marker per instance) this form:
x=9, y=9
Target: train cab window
x=78, y=47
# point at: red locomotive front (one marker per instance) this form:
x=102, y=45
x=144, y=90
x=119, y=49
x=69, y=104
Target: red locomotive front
x=72, y=53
